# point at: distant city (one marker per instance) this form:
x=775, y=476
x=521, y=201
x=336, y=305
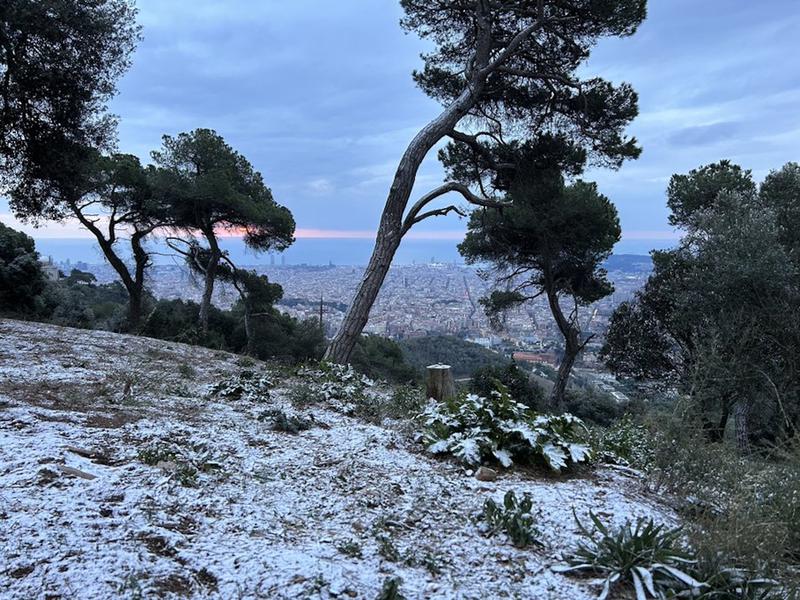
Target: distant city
x=422, y=299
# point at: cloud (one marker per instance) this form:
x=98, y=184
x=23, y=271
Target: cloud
x=702, y=135
x=319, y=97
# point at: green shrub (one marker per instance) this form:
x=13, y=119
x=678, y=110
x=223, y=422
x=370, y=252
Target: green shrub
x=478, y=429
x=350, y=548
x=391, y=590
x=507, y=378
x=280, y=421
x=186, y=462
x=594, y=406
x=247, y=385
x=655, y=562
x=339, y=386
x=187, y=371
x=381, y=358
x=513, y=517
x=625, y=442
x=743, y=511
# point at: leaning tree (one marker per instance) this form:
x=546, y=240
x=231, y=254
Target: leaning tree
x=59, y=64
x=118, y=204
x=211, y=189
x=500, y=66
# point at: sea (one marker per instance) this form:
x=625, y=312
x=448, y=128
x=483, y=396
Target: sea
x=305, y=251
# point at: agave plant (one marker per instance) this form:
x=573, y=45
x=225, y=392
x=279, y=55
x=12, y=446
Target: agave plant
x=649, y=557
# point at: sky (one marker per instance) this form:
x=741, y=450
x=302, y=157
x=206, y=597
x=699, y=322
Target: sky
x=319, y=97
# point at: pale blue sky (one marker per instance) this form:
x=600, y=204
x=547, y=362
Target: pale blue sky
x=319, y=96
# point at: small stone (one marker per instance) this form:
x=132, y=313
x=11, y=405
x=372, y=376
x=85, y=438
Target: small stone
x=167, y=465
x=485, y=474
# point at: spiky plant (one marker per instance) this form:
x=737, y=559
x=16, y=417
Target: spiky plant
x=649, y=557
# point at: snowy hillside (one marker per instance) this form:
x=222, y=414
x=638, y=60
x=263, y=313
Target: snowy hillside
x=123, y=474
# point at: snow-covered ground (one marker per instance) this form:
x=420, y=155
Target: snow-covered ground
x=331, y=512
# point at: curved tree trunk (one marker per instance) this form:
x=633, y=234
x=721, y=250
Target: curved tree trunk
x=133, y=285
x=357, y=315
x=572, y=347
x=208, y=288
x=136, y=293
x=391, y=225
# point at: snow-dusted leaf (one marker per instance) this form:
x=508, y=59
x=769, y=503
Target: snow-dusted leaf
x=570, y=568
x=637, y=586
x=610, y=580
x=503, y=456
x=555, y=457
x=578, y=452
x=679, y=575
x=439, y=447
x=647, y=578
x=468, y=450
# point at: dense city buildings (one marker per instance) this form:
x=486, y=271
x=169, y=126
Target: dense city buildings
x=418, y=300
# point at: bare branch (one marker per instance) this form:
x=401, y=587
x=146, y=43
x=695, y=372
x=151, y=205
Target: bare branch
x=413, y=215
x=438, y=212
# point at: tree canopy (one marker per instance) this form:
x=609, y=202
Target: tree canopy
x=21, y=276
x=210, y=188
x=718, y=316
x=550, y=239
x=59, y=63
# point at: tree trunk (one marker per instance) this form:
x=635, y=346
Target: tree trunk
x=441, y=385
x=209, y=278
x=741, y=415
x=136, y=292
x=560, y=386
x=134, y=284
x=715, y=432
x=357, y=315
x=389, y=231
x=571, y=349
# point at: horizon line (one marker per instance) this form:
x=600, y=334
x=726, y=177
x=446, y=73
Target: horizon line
x=73, y=231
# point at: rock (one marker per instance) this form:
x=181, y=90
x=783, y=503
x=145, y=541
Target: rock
x=485, y=474
x=75, y=472
x=167, y=465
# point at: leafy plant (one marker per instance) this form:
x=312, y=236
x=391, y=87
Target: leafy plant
x=477, y=429
x=280, y=421
x=649, y=557
x=721, y=582
x=187, y=371
x=186, y=463
x=513, y=517
x=247, y=385
x=339, y=386
x=387, y=549
x=625, y=442
x=391, y=590
x=350, y=548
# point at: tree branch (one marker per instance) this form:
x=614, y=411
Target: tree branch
x=414, y=216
